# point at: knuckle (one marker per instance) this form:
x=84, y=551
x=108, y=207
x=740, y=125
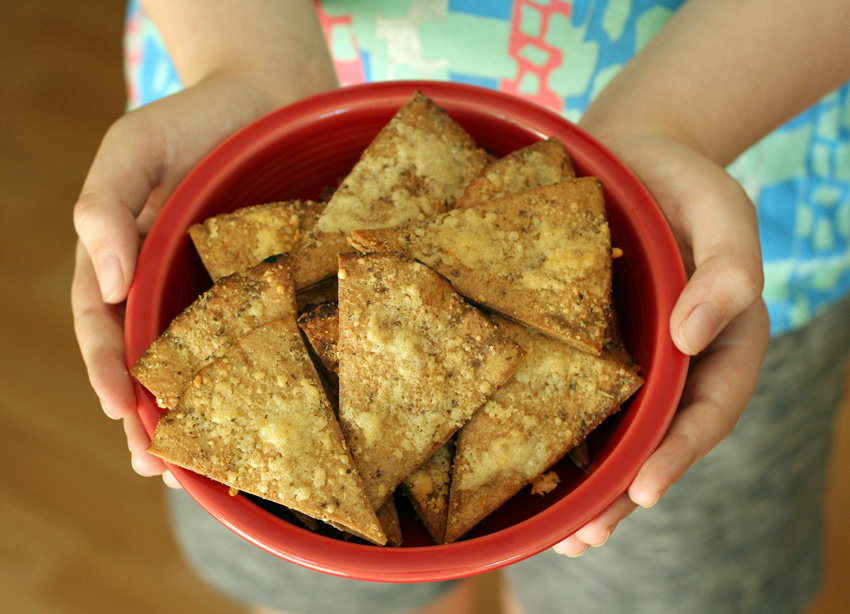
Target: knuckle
x=745, y=276
x=85, y=209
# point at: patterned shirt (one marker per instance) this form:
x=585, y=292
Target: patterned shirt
x=560, y=53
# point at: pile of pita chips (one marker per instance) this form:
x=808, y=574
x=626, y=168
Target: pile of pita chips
x=444, y=295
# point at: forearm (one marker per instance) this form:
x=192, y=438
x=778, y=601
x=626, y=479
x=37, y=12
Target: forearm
x=723, y=73
x=277, y=46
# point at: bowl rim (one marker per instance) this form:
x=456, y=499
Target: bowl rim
x=474, y=555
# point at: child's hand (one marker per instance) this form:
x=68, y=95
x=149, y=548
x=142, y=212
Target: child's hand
x=719, y=317
x=142, y=158
x=239, y=60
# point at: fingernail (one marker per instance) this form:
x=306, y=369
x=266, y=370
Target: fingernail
x=562, y=550
x=602, y=543
x=700, y=327
x=107, y=411
x=109, y=274
x=139, y=469
x=170, y=480
x=657, y=499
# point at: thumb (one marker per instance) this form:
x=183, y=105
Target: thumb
x=115, y=191
x=716, y=227
x=722, y=231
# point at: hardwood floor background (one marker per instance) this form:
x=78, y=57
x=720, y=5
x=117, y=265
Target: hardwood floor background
x=79, y=531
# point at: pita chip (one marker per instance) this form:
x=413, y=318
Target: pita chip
x=257, y=419
x=233, y=306
x=320, y=326
x=417, y=166
x=235, y=241
x=542, y=163
x=555, y=399
x=541, y=257
x=415, y=363
x=427, y=488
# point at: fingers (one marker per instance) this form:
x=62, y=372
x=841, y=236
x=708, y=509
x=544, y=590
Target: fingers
x=170, y=481
x=144, y=463
x=719, y=386
x=597, y=531
x=723, y=285
x=100, y=333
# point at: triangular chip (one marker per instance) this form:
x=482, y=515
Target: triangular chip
x=541, y=257
x=541, y=163
x=427, y=487
x=417, y=166
x=415, y=363
x=203, y=331
x=257, y=420
x=235, y=241
x=555, y=399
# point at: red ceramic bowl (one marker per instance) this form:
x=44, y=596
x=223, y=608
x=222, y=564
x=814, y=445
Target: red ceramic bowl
x=296, y=152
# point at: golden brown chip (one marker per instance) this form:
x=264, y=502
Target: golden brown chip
x=541, y=257
x=415, y=362
x=427, y=488
x=257, y=419
x=235, y=241
x=541, y=163
x=388, y=517
x=555, y=399
x=315, y=260
x=417, y=166
x=317, y=294
x=321, y=328
x=204, y=330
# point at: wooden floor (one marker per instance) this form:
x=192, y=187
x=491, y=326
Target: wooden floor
x=79, y=531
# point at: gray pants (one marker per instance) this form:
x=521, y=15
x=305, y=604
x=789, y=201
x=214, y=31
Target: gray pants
x=741, y=532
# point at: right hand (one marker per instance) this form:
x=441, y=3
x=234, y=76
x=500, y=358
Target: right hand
x=719, y=318
x=141, y=160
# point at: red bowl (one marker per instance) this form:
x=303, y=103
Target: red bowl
x=298, y=150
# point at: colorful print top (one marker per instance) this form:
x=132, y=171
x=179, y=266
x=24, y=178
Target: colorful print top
x=560, y=53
